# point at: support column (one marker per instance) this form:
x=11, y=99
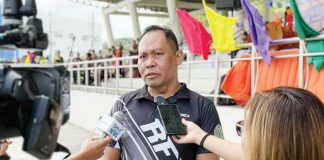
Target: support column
x=134, y=16
x=109, y=34
x=174, y=22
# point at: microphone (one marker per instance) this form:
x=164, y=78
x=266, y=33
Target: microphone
x=159, y=100
x=111, y=126
x=119, y=116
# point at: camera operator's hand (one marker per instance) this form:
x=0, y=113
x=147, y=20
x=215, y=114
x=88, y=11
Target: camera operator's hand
x=92, y=149
x=4, y=146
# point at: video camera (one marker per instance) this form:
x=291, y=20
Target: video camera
x=34, y=103
x=34, y=99
x=30, y=35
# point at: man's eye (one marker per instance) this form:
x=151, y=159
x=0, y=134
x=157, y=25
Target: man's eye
x=142, y=56
x=158, y=53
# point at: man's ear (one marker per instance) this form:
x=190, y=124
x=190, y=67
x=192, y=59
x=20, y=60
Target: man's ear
x=179, y=56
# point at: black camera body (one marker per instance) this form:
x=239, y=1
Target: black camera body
x=34, y=99
x=14, y=32
x=34, y=103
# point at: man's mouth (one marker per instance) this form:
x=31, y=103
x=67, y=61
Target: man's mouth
x=151, y=75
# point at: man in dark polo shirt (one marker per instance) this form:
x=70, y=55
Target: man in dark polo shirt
x=146, y=138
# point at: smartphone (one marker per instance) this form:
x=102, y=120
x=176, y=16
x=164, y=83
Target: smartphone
x=171, y=119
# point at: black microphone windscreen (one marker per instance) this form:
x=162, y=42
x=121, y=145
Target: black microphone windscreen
x=159, y=100
x=119, y=116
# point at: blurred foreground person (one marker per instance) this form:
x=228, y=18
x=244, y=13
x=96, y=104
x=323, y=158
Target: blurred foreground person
x=280, y=124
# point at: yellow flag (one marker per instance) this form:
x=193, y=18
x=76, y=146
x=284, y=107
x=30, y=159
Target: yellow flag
x=28, y=59
x=222, y=30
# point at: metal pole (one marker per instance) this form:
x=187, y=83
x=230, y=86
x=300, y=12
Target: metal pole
x=253, y=52
x=87, y=77
x=105, y=76
x=117, y=75
x=301, y=64
x=95, y=74
x=131, y=73
x=188, y=67
x=217, y=86
x=71, y=77
x=78, y=75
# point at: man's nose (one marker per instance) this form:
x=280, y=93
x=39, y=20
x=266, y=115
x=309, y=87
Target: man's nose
x=150, y=62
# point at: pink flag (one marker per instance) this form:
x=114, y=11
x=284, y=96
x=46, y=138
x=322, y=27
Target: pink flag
x=196, y=36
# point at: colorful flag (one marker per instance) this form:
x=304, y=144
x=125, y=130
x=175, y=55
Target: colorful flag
x=29, y=59
x=222, y=30
x=260, y=38
x=196, y=36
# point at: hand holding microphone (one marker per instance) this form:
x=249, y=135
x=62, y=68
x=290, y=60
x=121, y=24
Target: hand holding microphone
x=111, y=126
x=92, y=149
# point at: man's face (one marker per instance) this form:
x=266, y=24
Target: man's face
x=158, y=61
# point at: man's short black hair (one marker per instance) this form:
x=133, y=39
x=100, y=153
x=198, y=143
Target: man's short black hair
x=172, y=39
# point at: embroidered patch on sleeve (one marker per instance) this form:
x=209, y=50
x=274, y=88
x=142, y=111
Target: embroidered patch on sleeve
x=218, y=131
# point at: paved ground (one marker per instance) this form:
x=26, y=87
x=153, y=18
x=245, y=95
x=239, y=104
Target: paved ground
x=70, y=136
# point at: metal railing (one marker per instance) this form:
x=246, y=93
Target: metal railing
x=302, y=54
x=93, y=66
x=106, y=66
x=79, y=73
